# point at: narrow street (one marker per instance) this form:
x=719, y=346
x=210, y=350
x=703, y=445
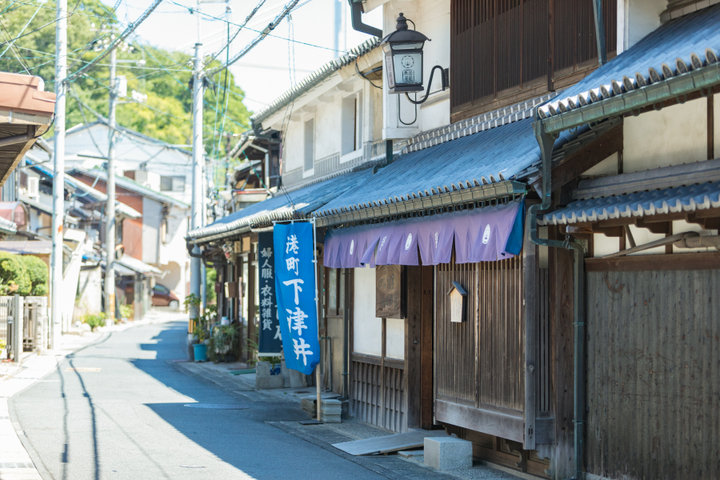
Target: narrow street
x=120, y=409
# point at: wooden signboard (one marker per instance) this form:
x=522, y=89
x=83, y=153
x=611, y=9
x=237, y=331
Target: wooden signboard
x=231, y=289
x=457, y=296
x=389, y=298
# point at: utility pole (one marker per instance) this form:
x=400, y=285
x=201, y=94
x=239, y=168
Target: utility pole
x=56, y=293
x=197, y=174
x=110, y=208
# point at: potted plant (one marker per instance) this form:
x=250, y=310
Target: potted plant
x=224, y=340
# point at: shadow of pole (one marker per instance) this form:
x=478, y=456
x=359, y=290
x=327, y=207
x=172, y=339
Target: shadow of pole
x=93, y=419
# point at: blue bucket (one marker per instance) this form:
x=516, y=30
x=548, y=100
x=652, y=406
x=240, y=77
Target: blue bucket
x=200, y=352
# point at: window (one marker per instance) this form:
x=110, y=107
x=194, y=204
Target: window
x=174, y=183
x=309, y=144
x=505, y=51
x=351, y=134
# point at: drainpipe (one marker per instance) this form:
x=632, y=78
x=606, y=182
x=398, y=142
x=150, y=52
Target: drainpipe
x=357, y=23
x=600, y=32
x=546, y=142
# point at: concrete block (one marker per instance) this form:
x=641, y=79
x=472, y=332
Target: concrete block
x=292, y=378
x=265, y=377
x=447, y=453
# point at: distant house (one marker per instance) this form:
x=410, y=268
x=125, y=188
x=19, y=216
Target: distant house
x=157, y=236
x=150, y=162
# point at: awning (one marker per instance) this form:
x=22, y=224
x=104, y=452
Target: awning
x=137, y=266
x=480, y=235
x=685, y=199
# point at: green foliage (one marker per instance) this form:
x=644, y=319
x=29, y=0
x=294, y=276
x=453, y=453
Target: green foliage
x=210, y=279
x=225, y=339
x=164, y=77
x=38, y=273
x=14, y=278
x=191, y=301
x=126, y=311
x=94, y=320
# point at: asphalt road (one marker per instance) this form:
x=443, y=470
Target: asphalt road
x=119, y=409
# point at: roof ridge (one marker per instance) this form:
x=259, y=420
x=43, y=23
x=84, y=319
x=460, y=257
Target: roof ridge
x=479, y=123
x=316, y=77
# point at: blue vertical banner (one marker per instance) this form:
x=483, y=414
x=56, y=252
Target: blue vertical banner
x=295, y=290
x=270, y=343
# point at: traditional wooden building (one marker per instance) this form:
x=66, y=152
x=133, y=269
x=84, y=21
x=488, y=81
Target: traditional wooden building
x=647, y=210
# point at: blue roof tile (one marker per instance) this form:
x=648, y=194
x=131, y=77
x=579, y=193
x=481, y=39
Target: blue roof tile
x=686, y=39
x=683, y=199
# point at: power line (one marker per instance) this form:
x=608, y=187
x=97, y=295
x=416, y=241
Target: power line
x=271, y=26
x=130, y=28
x=240, y=28
x=12, y=42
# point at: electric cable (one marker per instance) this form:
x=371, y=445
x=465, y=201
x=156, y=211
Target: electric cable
x=130, y=28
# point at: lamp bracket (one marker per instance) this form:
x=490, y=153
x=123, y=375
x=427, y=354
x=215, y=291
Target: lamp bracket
x=445, y=79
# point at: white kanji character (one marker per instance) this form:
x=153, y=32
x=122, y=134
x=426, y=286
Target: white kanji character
x=295, y=282
x=266, y=302
x=267, y=322
x=292, y=244
x=278, y=334
x=301, y=348
x=266, y=273
x=292, y=264
x=266, y=252
x=296, y=320
x=266, y=290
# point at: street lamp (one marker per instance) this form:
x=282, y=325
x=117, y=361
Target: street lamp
x=404, y=61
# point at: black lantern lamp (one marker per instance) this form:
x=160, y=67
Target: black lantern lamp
x=404, y=60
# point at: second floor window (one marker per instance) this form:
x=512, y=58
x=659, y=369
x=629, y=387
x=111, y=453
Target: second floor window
x=174, y=183
x=351, y=133
x=506, y=51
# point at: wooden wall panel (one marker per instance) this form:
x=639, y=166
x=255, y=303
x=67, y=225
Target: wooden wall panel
x=653, y=374
x=378, y=396
x=480, y=362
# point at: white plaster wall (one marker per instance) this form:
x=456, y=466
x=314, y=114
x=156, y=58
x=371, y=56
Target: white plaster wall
x=603, y=245
x=609, y=166
x=328, y=120
x=292, y=152
x=367, y=328
x=671, y=136
x=643, y=236
x=635, y=19
x=395, y=338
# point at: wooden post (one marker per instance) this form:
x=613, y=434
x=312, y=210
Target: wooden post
x=530, y=293
x=252, y=269
x=17, y=328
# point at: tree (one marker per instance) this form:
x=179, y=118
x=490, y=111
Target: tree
x=164, y=76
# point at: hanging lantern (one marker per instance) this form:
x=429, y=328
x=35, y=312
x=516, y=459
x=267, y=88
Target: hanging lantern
x=404, y=58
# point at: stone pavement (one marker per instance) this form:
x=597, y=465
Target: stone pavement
x=227, y=376
x=15, y=463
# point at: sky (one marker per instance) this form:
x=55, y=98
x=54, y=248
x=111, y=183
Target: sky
x=275, y=64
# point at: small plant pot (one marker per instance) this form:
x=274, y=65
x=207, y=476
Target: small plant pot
x=200, y=352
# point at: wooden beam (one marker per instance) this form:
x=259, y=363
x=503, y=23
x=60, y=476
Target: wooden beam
x=587, y=156
x=680, y=261
x=501, y=423
x=655, y=227
x=618, y=231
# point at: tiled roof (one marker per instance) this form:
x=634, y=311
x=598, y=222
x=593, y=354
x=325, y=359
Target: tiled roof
x=283, y=206
x=683, y=199
x=486, y=157
x=679, y=46
x=316, y=77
